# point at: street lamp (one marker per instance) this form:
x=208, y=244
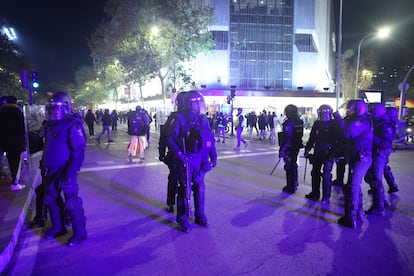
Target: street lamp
x=339, y=60
x=382, y=33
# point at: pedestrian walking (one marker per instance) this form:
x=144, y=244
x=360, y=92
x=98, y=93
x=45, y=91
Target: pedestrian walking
x=221, y=123
x=114, y=120
x=138, y=124
x=90, y=121
x=239, y=129
x=106, y=127
x=12, y=137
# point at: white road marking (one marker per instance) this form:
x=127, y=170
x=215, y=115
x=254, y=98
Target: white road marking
x=149, y=164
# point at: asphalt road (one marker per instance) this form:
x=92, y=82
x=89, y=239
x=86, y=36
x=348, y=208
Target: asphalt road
x=255, y=229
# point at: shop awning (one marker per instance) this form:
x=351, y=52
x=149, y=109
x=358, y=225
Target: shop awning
x=408, y=103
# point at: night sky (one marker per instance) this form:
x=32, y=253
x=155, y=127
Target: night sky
x=53, y=33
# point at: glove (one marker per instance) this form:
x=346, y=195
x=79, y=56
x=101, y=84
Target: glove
x=182, y=158
x=161, y=158
x=281, y=154
x=213, y=163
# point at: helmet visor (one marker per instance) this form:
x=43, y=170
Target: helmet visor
x=198, y=105
x=56, y=111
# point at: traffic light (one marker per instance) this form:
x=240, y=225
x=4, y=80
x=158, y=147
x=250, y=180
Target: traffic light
x=228, y=99
x=233, y=93
x=35, y=80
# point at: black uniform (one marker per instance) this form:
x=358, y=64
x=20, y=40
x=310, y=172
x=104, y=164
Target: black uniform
x=323, y=138
x=189, y=141
x=167, y=157
x=382, y=147
x=289, y=149
x=359, y=136
x=63, y=156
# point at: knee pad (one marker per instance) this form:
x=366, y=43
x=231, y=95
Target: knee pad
x=73, y=203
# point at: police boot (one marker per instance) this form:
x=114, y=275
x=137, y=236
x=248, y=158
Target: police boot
x=290, y=184
x=181, y=213
x=348, y=220
x=389, y=177
x=77, y=217
x=360, y=214
x=316, y=180
x=40, y=216
x=58, y=228
x=377, y=207
x=326, y=190
x=200, y=216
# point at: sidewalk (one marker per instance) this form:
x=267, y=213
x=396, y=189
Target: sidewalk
x=13, y=206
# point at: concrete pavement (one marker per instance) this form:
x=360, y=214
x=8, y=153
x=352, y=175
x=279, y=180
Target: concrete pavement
x=255, y=229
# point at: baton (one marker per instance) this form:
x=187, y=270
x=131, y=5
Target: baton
x=274, y=168
x=306, y=165
x=188, y=184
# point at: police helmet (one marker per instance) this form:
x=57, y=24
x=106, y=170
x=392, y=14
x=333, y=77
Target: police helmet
x=194, y=102
x=357, y=106
x=138, y=108
x=392, y=113
x=291, y=111
x=325, y=113
x=377, y=110
x=58, y=106
x=180, y=101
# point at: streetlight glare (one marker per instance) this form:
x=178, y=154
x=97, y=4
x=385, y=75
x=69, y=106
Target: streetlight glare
x=155, y=30
x=384, y=32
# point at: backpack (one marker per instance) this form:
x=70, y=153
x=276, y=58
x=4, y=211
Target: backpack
x=136, y=124
x=199, y=138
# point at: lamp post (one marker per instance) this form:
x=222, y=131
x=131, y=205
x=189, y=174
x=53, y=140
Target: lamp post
x=338, y=69
x=382, y=33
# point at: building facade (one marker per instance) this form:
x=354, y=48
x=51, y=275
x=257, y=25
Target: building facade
x=278, y=45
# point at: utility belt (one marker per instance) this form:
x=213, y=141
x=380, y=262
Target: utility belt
x=362, y=156
x=381, y=152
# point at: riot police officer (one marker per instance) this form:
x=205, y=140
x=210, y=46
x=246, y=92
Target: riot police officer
x=167, y=156
x=290, y=145
x=392, y=113
x=358, y=133
x=190, y=141
x=63, y=155
x=323, y=139
x=381, y=150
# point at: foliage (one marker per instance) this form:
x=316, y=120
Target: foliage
x=368, y=62
x=126, y=37
x=90, y=89
x=11, y=64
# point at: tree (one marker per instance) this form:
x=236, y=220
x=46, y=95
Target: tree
x=90, y=90
x=12, y=62
x=127, y=37
x=368, y=63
